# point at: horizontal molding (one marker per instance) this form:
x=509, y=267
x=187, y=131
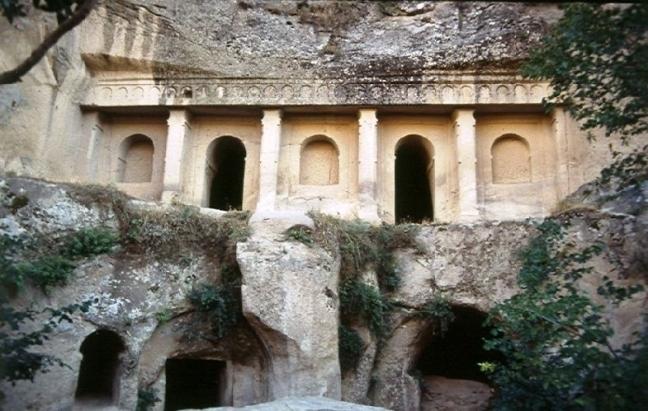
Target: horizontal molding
x=460, y=90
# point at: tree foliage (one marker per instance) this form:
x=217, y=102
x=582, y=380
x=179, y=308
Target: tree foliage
x=44, y=263
x=69, y=14
x=220, y=303
x=18, y=8
x=556, y=340
x=596, y=58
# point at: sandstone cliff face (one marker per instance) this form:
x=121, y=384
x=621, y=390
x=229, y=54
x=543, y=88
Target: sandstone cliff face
x=251, y=38
x=287, y=344
x=289, y=297
x=241, y=39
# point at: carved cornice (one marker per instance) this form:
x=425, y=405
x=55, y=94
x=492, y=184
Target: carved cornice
x=457, y=90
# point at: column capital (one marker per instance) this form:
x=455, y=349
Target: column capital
x=179, y=117
x=368, y=116
x=96, y=117
x=557, y=114
x=272, y=116
x=463, y=114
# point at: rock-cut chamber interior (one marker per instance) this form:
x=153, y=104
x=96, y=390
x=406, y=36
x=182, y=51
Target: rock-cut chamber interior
x=193, y=383
x=414, y=175
x=98, y=381
x=448, y=363
x=226, y=169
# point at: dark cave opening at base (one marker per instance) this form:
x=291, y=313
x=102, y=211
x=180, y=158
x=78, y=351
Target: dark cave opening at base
x=457, y=353
x=98, y=374
x=193, y=383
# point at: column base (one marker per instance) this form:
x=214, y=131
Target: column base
x=369, y=213
x=468, y=218
x=171, y=197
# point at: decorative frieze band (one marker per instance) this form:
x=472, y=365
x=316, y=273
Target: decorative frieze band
x=304, y=92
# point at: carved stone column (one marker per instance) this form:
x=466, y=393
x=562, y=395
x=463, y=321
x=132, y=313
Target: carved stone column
x=177, y=143
x=465, y=139
x=269, y=164
x=559, y=133
x=367, y=164
x=95, y=144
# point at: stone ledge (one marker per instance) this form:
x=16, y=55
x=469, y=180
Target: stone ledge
x=302, y=404
x=473, y=90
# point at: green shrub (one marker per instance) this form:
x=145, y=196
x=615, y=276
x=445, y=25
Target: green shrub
x=47, y=271
x=556, y=339
x=350, y=346
x=164, y=315
x=365, y=302
x=221, y=304
x=363, y=246
x=19, y=361
x=170, y=231
x=300, y=233
x=18, y=202
x=439, y=310
x=91, y=241
x=390, y=238
x=46, y=262
x=11, y=279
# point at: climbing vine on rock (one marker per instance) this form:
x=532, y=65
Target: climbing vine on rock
x=556, y=340
x=362, y=248
x=596, y=60
x=44, y=263
x=220, y=303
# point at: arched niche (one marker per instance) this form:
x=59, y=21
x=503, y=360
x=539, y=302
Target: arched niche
x=136, y=159
x=98, y=382
x=225, y=173
x=414, y=169
x=319, y=161
x=511, y=160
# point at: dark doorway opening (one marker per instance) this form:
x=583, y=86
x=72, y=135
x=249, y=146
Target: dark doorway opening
x=457, y=353
x=413, y=190
x=227, y=166
x=98, y=380
x=193, y=383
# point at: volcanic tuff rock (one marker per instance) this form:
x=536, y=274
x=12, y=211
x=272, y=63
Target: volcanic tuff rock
x=266, y=38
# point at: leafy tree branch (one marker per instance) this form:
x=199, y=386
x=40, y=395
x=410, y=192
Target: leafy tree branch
x=70, y=13
x=596, y=58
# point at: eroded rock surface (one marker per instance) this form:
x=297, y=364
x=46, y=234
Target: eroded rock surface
x=303, y=404
x=289, y=343
x=289, y=295
x=445, y=394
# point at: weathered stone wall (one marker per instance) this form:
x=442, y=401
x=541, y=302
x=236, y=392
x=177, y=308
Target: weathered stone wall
x=335, y=53
x=186, y=72
x=288, y=344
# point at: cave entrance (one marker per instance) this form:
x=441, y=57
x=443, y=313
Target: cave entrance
x=414, y=175
x=193, y=383
x=226, y=169
x=449, y=366
x=98, y=382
